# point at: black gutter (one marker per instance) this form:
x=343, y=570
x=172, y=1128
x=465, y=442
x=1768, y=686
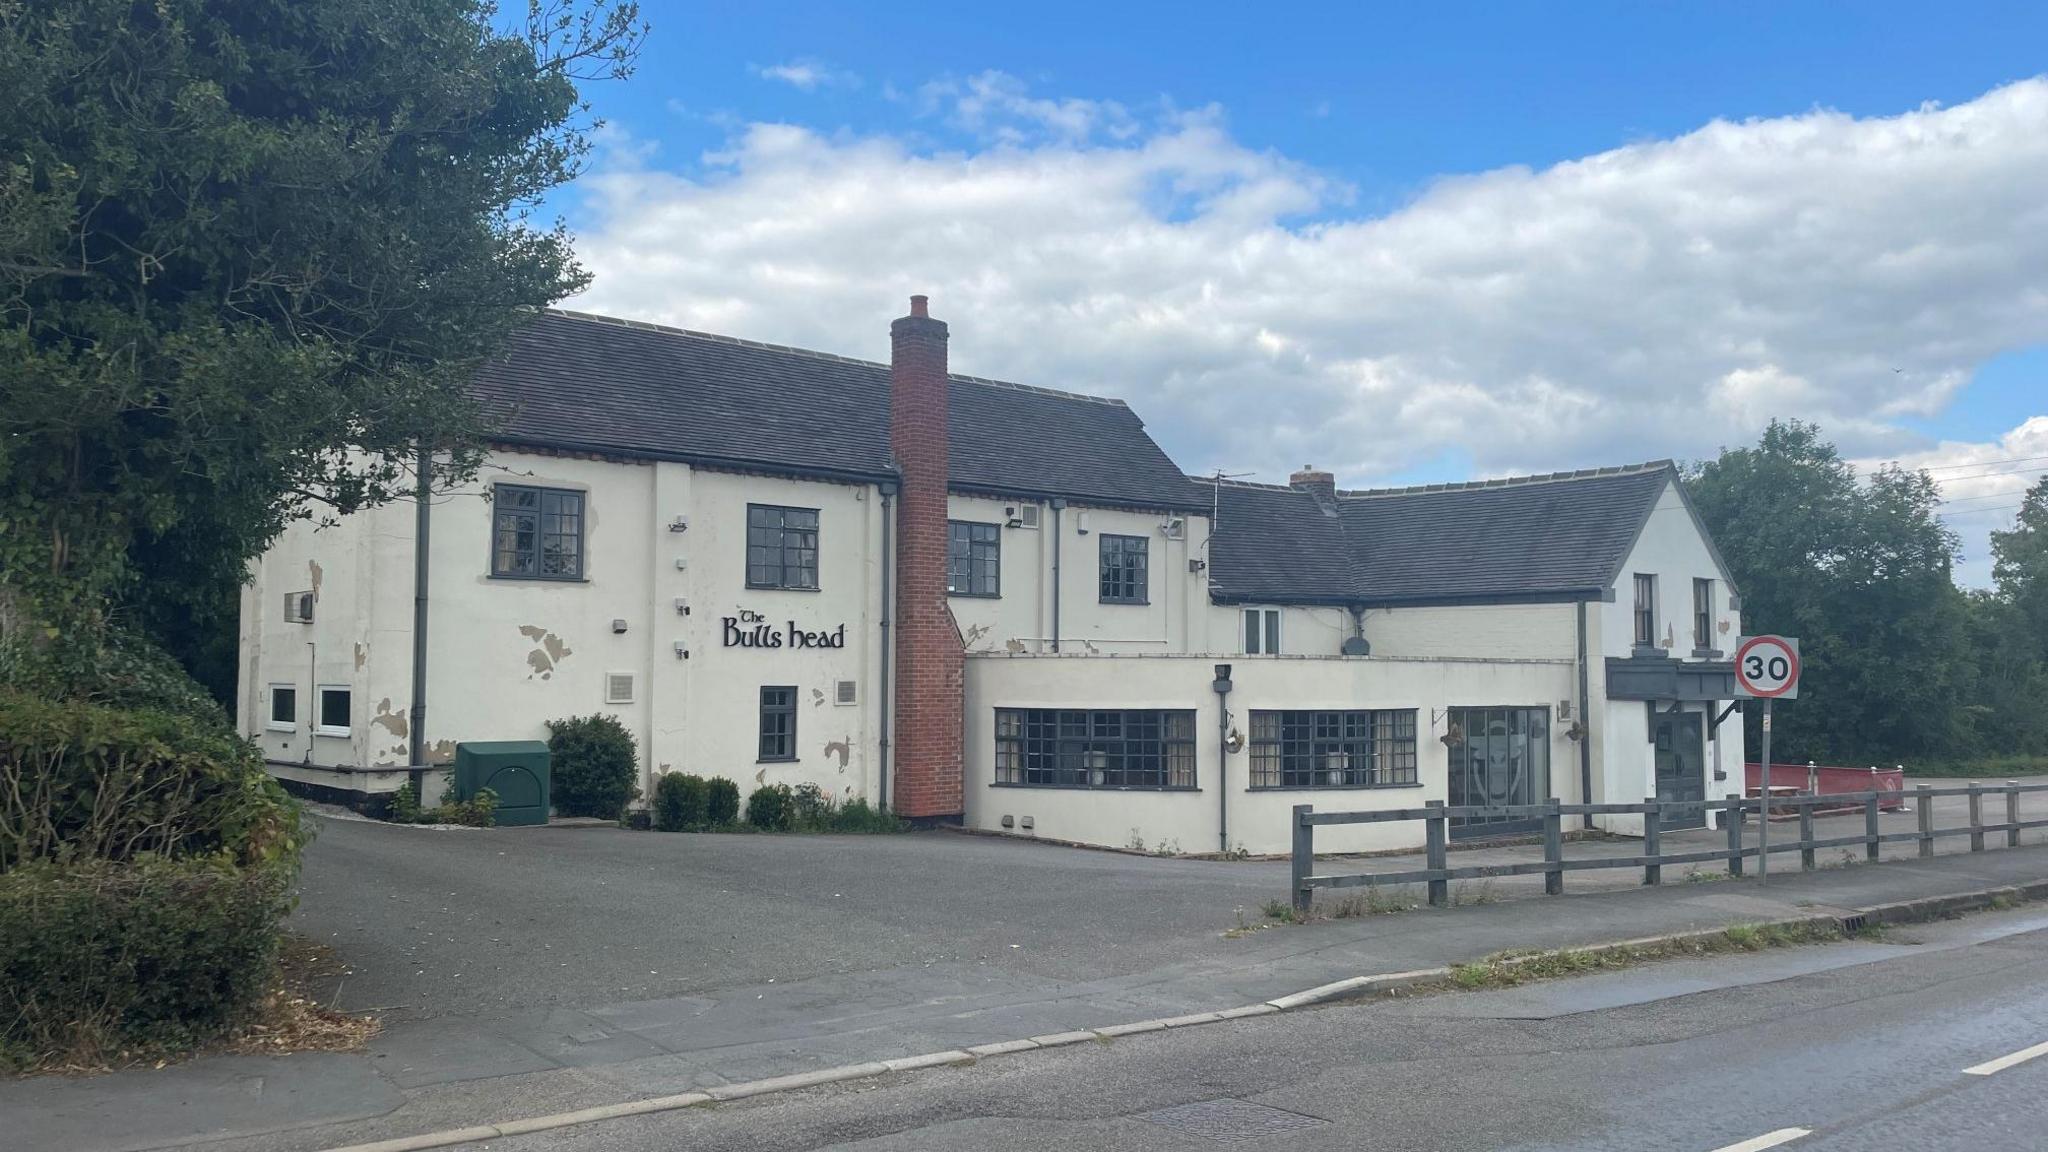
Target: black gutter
x=700, y=459
x=1585, y=722
x=888, y=687
x=1057, y=504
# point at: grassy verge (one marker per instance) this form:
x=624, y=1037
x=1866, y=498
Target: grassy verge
x=1988, y=768
x=1508, y=969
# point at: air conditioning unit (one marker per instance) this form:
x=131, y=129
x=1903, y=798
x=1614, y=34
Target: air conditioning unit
x=1021, y=516
x=1175, y=529
x=298, y=607
x=845, y=692
x=618, y=687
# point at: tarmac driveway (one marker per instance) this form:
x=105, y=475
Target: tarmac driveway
x=463, y=922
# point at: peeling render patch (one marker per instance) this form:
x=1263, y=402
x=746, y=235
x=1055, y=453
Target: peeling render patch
x=362, y=654
x=1015, y=646
x=841, y=749
x=441, y=752
x=313, y=571
x=548, y=653
x=392, y=722
x=817, y=697
x=975, y=632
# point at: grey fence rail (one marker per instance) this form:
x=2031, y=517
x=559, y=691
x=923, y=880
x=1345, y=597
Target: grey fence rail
x=1652, y=859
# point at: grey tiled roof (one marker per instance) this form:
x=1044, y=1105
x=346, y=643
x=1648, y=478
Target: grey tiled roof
x=590, y=382
x=1530, y=537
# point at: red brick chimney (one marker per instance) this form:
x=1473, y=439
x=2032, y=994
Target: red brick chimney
x=929, y=702
x=1322, y=485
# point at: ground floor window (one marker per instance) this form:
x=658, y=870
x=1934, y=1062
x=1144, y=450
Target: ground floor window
x=284, y=707
x=778, y=723
x=1095, y=748
x=1333, y=749
x=334, y=710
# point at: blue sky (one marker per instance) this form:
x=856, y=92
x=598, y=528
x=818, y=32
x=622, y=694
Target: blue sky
x=1367, y=136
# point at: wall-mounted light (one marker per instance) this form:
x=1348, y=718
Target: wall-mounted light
x=679, y=524
x=682, y=606
x=682, y=650
x=618, y=625
x=682, y=562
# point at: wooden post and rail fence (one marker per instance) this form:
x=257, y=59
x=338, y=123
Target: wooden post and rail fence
x=1437, y=817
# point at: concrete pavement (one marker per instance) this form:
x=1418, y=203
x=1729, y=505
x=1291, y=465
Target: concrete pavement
x=483, y=1049
x=1857, y=1045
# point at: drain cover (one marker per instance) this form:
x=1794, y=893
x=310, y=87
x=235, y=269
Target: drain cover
x=1230, y=1120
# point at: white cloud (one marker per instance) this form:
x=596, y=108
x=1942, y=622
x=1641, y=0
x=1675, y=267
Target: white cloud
x=1662, y=298
x=808, y=75
x=1982, y=484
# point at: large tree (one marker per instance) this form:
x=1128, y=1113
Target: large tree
x=1859, y=568
x=250, y=250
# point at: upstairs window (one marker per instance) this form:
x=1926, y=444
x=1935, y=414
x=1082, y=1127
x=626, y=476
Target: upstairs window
x=782, y=547
x=284, y=707
x=778, y=723
x=1262, y=631
x=334, y=710
x=537, y=533
x=1124, y=569
x=1702, y=614
x=1646, y=610
x=974, y=555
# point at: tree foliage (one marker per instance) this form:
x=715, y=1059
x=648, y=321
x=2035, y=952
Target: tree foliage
x=1901, y=665
x=249, y=254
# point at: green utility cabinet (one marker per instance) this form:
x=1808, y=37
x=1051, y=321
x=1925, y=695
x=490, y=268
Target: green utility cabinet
x=517, y=770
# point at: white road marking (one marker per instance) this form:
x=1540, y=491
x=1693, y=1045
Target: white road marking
x=1767, y=1140
x=2003, y=1062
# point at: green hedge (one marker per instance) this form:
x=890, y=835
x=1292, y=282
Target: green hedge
x=679, y=802
x=721, y=801
x=770, y=807
x=102, y=960
x=594, y=766
x=82, y=781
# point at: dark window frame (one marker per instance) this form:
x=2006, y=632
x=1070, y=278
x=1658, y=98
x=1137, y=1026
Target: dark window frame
x=780, y=709
x=1124, y=569
x=543, y=524
x=1097, y=749
x=1702, y=613
x=1644, y=611
x=1291, y=749
x=793, y=553
x=974, y=557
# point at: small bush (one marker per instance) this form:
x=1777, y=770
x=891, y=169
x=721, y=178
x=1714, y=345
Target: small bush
x=810, y=808
x=861, y=816
x=98, y=959
x=770, y=807
x=594, y=765
x=721, y=802
x=679, y=802
x=479, y=811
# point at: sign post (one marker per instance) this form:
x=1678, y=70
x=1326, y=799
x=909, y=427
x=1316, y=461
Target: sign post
x=1767, y=669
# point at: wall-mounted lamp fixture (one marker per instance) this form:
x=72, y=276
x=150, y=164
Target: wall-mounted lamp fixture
x=618, y=625
x=682, y=606
x=679, y=524
x=682, y=650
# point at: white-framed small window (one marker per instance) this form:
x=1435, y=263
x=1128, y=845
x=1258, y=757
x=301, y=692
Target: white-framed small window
x=333, y=703
x=284, y=708
x=1262, y=631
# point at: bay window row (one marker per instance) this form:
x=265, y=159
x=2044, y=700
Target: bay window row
x=1155, y=748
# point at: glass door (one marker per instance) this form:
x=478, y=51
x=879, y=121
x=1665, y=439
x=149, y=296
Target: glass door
x=1499, y=756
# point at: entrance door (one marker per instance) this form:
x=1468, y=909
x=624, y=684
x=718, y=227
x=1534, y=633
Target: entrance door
x=1500, y=756
x=1682, y=767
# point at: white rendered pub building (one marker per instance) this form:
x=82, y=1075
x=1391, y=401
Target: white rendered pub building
x=988, y=603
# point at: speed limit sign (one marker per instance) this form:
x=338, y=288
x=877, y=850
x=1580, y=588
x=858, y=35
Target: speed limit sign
x=1767, y=667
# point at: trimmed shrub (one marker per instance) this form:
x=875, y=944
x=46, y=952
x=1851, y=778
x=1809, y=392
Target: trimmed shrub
x=679, y=802
x=770, y=807
x=479, y=811
x=861, y=816
x=101, y=959
x=80, y=781
x=594, y=765
x=721, y=802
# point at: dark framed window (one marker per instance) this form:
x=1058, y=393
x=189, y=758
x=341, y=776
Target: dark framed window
x=974, y=558
x=334, y=710
x=782, y=547
x=778, y=723
x=284, y=706
x=1262, y=631
x=1095, y=748
x=537, y=533
x=1703, y=613
x=1123, y=569
x=1646, y=610
x=1334, y=749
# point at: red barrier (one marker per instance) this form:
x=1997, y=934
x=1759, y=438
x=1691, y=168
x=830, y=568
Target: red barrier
x=1821, y=780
